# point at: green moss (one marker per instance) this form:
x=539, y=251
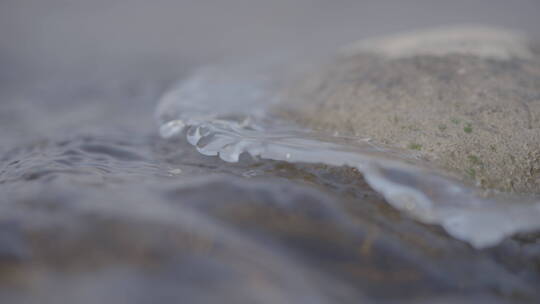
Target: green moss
x=467, y=128
x=415, y=146
x=442, y=127
x=454, y=120
x=474, y=159
x=471, y=172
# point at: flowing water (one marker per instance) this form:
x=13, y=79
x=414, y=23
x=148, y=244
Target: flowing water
x=135, y=187
x=117, y=213
x=221, y=112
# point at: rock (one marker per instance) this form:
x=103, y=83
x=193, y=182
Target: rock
x=301, y=232
x=467, y=99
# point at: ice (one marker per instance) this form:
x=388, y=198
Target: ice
x=227, y=122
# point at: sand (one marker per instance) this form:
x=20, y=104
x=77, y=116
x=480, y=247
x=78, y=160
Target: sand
x=466, y=99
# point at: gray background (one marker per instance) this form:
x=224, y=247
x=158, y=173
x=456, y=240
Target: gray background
x=130, y=36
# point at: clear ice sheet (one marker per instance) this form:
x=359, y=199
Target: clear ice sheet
x=223, y=112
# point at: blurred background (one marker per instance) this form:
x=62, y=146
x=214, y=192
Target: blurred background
x=131, y=36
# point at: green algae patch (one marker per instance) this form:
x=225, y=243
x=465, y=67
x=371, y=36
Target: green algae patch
x=475, y=160
x=442, y=127
x=471, y=173
x=415, y=146
x=468, y=128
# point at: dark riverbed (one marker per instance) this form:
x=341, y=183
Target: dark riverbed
x=96, y=208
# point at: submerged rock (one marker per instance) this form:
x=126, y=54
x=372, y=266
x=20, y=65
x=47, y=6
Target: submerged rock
x=467, y=99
